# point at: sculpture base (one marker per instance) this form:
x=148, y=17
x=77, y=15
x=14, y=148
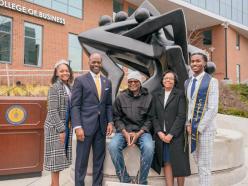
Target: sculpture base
x=228, y=163
x=110, y=183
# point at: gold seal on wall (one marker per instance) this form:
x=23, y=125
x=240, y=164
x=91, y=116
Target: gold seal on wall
x=16, y=115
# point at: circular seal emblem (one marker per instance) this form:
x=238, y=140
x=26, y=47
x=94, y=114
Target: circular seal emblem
x=16, y=115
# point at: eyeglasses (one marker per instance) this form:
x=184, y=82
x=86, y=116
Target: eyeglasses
x=133, y=81
x=95, y=62
x=168, y=78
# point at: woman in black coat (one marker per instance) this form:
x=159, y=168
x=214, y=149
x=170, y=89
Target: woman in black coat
x=171, y=151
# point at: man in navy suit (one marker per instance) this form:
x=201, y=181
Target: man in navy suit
x=92, y=119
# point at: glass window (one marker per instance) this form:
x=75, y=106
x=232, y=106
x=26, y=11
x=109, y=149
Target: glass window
x=199, y=3
x=202, y=3
x=245, y=12
x=130, y=11
x=75, y=52
x=213, y=6
x=63, y=1
x=71, y=7
x=61, y=7
x=76, y=3
x=45, y=3
x=194, y=2
x=5, y=38
x=226, y=8
x=237, y=41
x=33, y=44
x=75, y=12
x=117, y=5
x=207, y=37
x=238, y=73
x=237, y=10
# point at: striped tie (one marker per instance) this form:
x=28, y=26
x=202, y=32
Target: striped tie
x=98, y=86
x=193, y=88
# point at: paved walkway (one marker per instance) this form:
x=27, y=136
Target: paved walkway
x=244, y=182
x=44, y=180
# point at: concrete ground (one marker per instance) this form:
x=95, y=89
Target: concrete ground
x=44, y=180
x=244, y=182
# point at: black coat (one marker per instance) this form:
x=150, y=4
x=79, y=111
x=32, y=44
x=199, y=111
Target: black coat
x=133, y=113
x=174, y=117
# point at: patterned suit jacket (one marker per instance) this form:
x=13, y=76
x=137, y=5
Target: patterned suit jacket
x=208, y=120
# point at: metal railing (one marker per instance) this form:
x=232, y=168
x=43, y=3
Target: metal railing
x=27, y=82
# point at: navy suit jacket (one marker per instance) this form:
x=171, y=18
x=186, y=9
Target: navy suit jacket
x=87, y=109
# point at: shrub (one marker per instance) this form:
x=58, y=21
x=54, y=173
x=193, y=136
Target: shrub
x=242, y=90
x=234, y=100
x=233, y=111
x=24, y=90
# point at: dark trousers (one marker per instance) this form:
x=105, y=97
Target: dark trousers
x=97, y=141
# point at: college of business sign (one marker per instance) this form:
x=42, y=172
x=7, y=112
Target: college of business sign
x=32, y=12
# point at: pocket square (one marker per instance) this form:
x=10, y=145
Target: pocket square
x=106, y=89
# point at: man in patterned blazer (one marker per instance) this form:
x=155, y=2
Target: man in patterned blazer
x=91, y=119
x=202, y=93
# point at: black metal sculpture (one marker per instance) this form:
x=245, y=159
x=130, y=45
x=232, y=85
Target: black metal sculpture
x=146, y=41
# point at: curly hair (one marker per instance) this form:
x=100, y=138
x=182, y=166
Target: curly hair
x=204, y=57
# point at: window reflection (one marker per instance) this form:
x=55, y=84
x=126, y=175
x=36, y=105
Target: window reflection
x=45, y=3
x=245, y=13
x=71, y=7
x=75, y=52
x=5, y=38
x=117, y=5
x=33, y=44
x=236, y=10
x=213, y=6
x=75, y=12
x=61, y=7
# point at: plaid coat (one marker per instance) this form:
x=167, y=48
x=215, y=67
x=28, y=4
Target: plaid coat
x=55, y=157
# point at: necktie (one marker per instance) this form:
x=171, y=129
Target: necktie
x=193, y=87
x=98, y=87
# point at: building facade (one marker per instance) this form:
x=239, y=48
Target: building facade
x=35, y=34
x=219, y=27
x=228, y=52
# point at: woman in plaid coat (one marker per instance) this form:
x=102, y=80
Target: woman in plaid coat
x=58, y=133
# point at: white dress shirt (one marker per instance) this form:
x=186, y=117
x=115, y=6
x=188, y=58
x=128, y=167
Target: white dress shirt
x=166, y=96
x=68, y=91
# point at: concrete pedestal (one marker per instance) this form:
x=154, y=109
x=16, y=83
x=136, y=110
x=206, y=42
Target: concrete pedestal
x=111, y=183
x=228, y=162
